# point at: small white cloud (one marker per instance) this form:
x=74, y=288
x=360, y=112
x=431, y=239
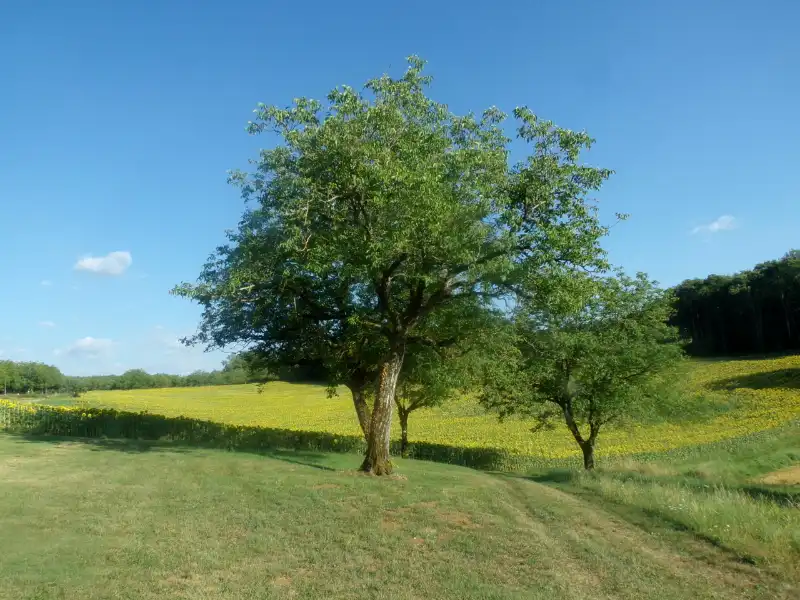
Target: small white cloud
x=88, y=347
x=113, y=263
x=46, y=324
x=46, y=283
x=724, y=223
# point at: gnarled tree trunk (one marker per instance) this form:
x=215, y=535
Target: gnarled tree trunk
x=362, y=409
x=377, y=460
x=588, y=455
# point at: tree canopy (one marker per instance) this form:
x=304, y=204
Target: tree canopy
x=24, y=377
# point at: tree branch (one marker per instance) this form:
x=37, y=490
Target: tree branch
x=384, y=288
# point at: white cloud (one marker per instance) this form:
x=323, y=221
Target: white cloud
x=46, y=324
x=46, y=283
x=113, y=263
x=88, y=347
x=724, y=223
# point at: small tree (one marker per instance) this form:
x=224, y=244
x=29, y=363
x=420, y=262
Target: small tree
x=591, y=365
x=435, y=373
x=429, y=378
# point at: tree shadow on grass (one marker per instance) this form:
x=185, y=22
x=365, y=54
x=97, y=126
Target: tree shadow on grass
x=552, y=476
x=784, y=496
x=133, y=446
x=781, y=495
x=113, y=429
x=297, y=457
x=781, y=378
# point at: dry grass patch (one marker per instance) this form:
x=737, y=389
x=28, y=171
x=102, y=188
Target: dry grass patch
x=787, y=476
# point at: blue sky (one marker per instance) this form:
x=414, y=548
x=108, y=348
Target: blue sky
x=118, y=122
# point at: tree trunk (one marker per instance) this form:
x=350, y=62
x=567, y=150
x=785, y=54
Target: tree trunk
x=377, y=460
x=586, y=445
x=787, y=321
x=403, y=415
x=588, y=455
x=759, y=316
x=362, y=410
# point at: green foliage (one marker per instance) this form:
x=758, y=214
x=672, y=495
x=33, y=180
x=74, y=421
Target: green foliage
x=29, y=377
x=383, y=206
x=591, y=366
x=38, y=378
x=752, y=312
x=433, y=374
x=380, y=209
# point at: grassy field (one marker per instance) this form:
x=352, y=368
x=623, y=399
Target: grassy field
x=743, y=496
x=721, y=400
x=701, y=499
x=96, y=519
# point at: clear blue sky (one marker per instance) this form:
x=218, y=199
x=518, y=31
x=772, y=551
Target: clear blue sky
x=119, y=120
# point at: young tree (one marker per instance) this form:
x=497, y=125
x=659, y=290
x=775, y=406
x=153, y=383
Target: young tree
x=435, y=373
x=592, y=365
x=377, y=211
x=429, y=378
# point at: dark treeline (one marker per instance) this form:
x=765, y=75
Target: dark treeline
x=752, y=312
x=39, y=378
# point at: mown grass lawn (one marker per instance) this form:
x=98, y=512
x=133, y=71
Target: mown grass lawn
x=98, y=519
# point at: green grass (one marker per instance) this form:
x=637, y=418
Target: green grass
x=50, y=399
x=700, y=500
x=718, y=494
x=98, y=519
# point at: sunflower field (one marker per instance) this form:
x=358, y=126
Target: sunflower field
x=750, y=395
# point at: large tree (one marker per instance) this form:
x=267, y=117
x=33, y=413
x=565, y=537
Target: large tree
x=590, y=362
x=376, y=210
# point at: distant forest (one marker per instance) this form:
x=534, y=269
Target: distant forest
x=38, y=378
x=752, y=312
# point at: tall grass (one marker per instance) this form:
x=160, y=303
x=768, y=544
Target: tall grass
x=756, y=529
x=716, y=492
